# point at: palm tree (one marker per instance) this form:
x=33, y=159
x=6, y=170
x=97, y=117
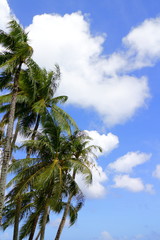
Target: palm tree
x=39, y=99
x=69, y=208
x=81, y=151
x=35, y=99
x=33, y=216
x=16, y=52
x=15, y=209
x=50, y=170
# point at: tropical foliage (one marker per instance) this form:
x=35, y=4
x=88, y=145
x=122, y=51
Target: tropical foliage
x=44, y=181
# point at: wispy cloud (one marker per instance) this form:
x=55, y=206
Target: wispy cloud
x=106, y=236
x=156, y=172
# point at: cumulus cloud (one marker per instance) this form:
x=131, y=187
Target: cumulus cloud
x=106, y=142
x=144, y=42
x=96, y=189
x=132, y=184
x=94, y=80
x=126, y=163
x=89, y=78
x=156, y=172
x=5, y=14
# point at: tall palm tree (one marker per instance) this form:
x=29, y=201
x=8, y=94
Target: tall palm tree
x=50, y=170
x=16, y=53
x=20, y=207
x=39, y=99
x=35, y=99
x=69, y=208
x=16, y=208
x=82, y=152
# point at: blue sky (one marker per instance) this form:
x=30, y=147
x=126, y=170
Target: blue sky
x=109, y=56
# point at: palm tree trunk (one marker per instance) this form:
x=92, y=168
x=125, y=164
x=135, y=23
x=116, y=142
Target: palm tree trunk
x=2, y=132
x=17, y=215
x=7, y=147
x=15, y=135
x=44, y=221
x=33, y=228
x=63, y=220
x=34, y=134
x=1, y=142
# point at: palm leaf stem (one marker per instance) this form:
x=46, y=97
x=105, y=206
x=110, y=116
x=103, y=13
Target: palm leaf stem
x=15, y=135
x=33, y=135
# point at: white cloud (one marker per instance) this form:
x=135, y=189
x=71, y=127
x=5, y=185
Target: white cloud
x=88, y=78
x=106, y=142
x=106, y=236
x=149, y=188
x=20, y=139
x=144, y=42
x=4, y=14
x=126, y=163
x=156, y=173
x=132, y=184
x=96, y=189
